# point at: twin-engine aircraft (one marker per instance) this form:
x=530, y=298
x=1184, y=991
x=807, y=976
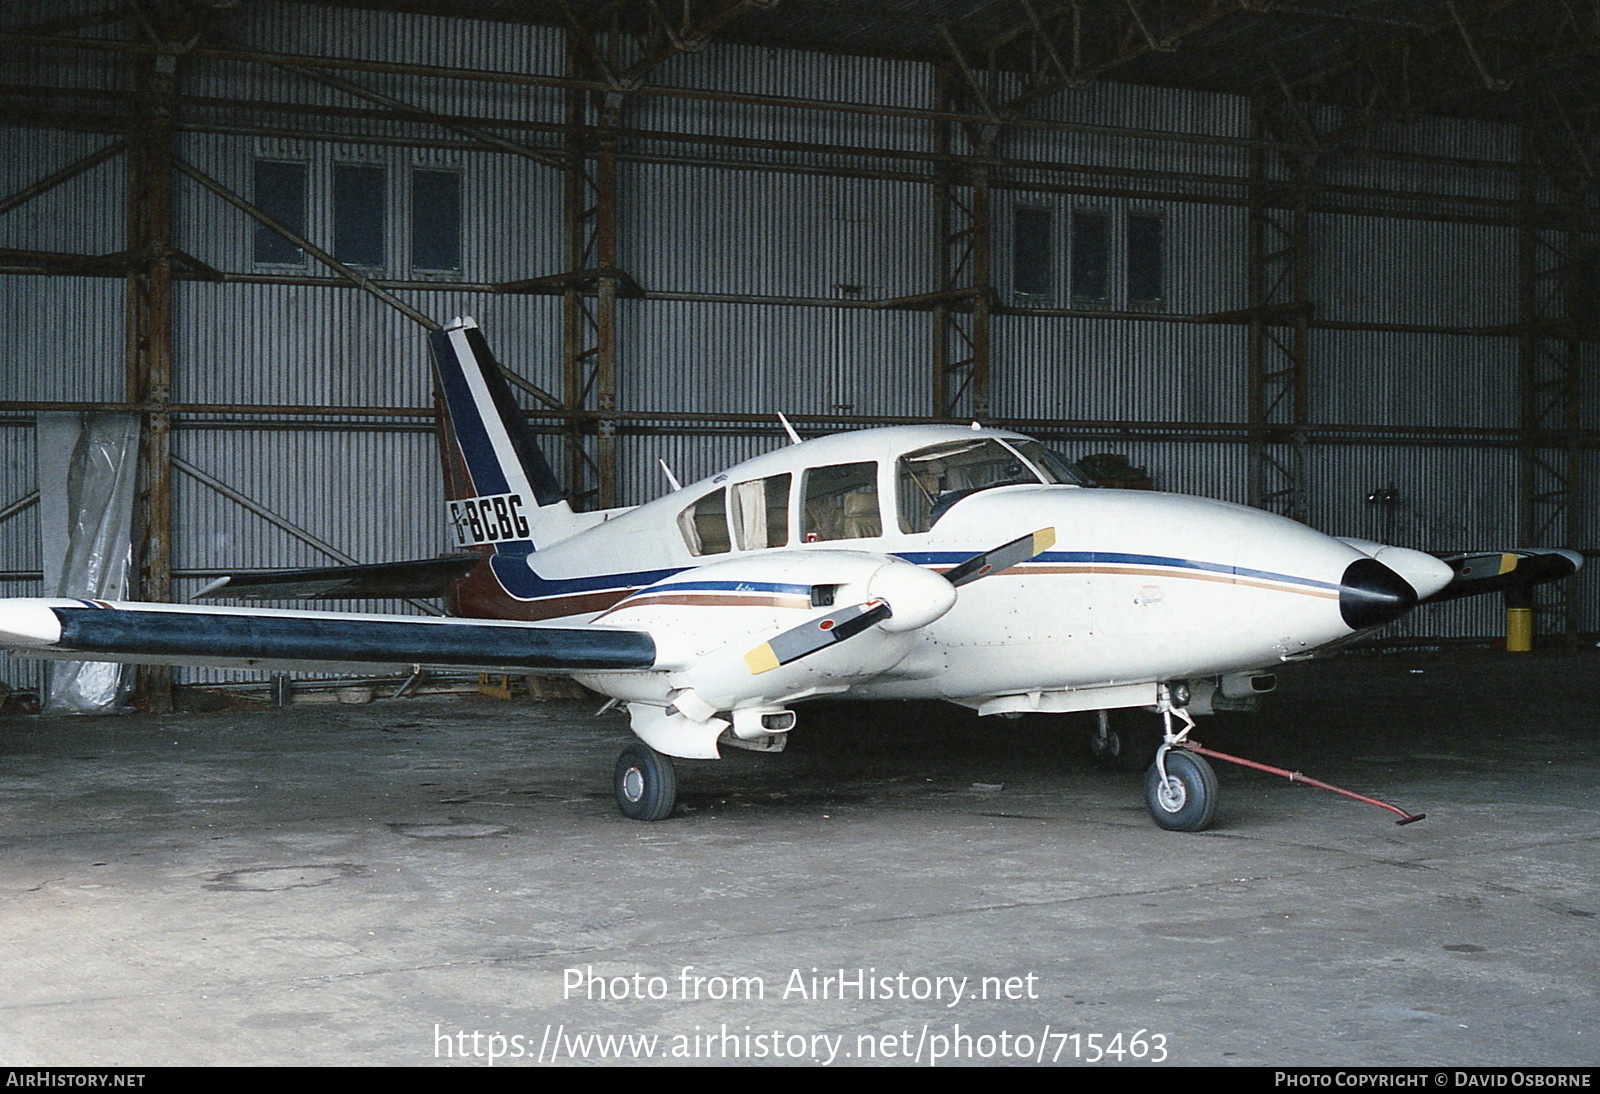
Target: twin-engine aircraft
x=971, y=565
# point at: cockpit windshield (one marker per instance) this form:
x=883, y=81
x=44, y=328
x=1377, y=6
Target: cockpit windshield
x=932, y=479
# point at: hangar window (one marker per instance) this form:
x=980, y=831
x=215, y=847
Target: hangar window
x=841, y=502
x=358, y=214
x=1091, y=257
x=705, y=525
x=760, y=512
x=436, y=220
x=280, y=192
x=1146, y=266
x=1031, y=254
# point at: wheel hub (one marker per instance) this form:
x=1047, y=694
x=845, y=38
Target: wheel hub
x=633, y=784
x=1172, y=795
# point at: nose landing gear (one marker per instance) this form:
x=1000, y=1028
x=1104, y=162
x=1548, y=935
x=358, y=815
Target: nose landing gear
x=1180, y=789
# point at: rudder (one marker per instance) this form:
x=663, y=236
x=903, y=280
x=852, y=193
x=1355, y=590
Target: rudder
x=501, y=493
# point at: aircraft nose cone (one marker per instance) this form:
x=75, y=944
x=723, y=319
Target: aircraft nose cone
x=1371, y=594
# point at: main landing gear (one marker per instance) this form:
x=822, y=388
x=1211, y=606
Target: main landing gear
x=645, y=783
x=1180, y=789
x=1123, y=740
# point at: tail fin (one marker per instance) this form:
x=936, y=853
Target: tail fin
x=501, y=493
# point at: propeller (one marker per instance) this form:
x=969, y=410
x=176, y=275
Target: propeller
x=818, y=634
x=833, y=628
x=1002, y=557
x=1507, y=571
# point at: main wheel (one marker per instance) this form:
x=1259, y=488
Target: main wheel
x=1126, y=740
x=1187, y=800
x=645, y=783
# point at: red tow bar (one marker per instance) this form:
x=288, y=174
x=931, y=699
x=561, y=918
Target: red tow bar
x=1296, y=777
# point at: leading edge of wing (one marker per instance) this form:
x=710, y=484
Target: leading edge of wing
x=186, y=634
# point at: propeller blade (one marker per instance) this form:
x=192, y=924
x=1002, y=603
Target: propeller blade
x=1499, y=571
x=1002, y=558
x=818, y=634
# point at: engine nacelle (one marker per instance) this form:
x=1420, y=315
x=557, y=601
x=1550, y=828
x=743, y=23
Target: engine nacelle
x=732, y=637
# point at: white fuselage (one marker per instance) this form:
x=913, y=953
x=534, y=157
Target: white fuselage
x=1139, y=586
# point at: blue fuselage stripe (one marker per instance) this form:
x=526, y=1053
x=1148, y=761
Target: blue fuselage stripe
x=1112, y=558
x=733, y=587
x=519, y=579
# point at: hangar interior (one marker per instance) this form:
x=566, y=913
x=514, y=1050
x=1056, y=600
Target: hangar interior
x=1332, y=258
x=1335, y=259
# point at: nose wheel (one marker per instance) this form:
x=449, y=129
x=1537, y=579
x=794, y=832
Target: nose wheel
x=645, y=783
x=1180, y=789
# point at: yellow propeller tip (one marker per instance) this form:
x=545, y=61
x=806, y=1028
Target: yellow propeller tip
x=761, y=659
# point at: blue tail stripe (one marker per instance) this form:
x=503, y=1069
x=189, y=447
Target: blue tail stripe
x=466, y=425
x=546, y=487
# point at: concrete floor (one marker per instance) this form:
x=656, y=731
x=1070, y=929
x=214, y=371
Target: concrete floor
x=375, y=885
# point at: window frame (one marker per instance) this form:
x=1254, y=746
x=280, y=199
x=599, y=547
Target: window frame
x=1077, y=260
x=811, y=528
x=268, y=204
x=691, y=529
x=419, y=268
x=1158, y=218
x=1037, y=246
x=371, y=223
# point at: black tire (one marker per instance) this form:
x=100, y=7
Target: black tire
x=645, y=783
x=1131, y=743
x=1189, y=803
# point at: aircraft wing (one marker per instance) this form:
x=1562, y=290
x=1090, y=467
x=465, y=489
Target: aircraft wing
x=420, y=579
x=286, y=640
x=1502, y=571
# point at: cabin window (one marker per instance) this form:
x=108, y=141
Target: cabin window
x=930, y=480
x=760, y=512
x=1052, y=467
x=841, y=502
x=705, y=525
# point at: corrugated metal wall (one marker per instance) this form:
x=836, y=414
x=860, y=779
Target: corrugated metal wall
x=797, y=239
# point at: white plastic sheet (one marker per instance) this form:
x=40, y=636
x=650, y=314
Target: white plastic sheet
x=88, y=471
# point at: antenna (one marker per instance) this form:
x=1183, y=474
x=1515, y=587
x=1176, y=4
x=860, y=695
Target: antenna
x=794, y=438
x=673, y=479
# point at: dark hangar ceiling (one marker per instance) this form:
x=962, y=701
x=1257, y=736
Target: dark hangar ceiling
x=1493, y=59
x=1503, y=60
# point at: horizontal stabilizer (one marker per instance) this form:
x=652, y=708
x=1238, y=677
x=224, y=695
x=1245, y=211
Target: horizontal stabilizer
x=266, y=638
x=1499, y=571
x=421, y=578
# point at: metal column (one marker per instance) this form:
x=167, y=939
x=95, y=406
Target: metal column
x=589, y=295
x=1280, y=312
x=148, y=350
x=1553, y=271
x=963, y=294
